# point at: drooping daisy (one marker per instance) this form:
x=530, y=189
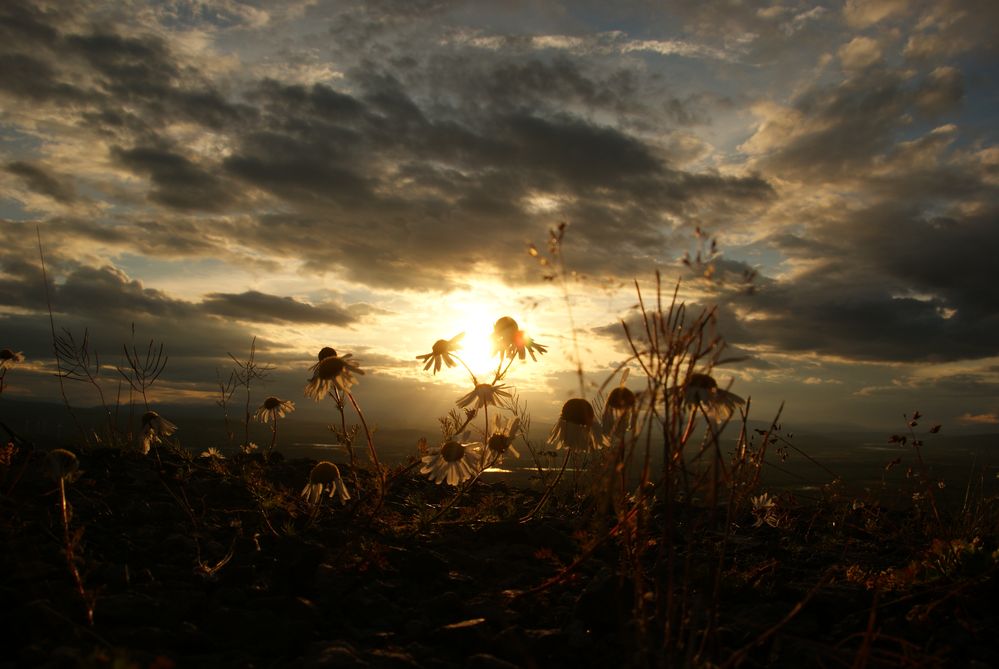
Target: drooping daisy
x=501, y=438
x=703, y=390
x=441, y=352
x=484, y=394
x=455, y=462
x=577, y=426
x=510, y=341
x=325, y=475
x=63, y=464
x=154, y=428
x=212, y=454
x=273, y=408
x=620, y=412
x=330, y=371
x=9, y=357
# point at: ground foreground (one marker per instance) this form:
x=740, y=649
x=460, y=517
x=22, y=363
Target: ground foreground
x=198, y=562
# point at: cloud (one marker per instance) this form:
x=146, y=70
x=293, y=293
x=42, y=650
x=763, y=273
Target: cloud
x=256, y=307
x=990, y=418
x=863, y=13
x=178, y=182
x=838, y=131
x=42, y=181
x=858, y=53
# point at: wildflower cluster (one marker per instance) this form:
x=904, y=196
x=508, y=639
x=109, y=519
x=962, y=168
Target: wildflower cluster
x=460, y=459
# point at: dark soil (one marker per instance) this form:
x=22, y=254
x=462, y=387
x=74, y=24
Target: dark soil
x=200, y=563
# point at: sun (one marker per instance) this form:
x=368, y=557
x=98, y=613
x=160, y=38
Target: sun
x=476, y=321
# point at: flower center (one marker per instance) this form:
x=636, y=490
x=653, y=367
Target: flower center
x=327, y=352
x=272, y=403
x=324, y=472
x=330, y=368
x=498, y=443
x=621, y=398
x=701, y=381
x=578, y=411
x=452, y=451
x=504, y=331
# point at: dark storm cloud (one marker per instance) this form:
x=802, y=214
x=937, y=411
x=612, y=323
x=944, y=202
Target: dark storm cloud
x=44, y=182
x=843, y=128
x=389, y=168
x=903, y=287
x=260, y=307
x=178, y=182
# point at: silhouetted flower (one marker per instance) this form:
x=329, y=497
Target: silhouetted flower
x=324, y=474
x=454, y=463
x=500, y=441
x=764, y=510
x=703, y=390
x=510, y=341
x=484, y=394
x=154, y=427
x=9, y=357
x=338, y=370
x=441, y=352
x=577, y=427
x=620, y=410
x=273, y=408
x=63, y=464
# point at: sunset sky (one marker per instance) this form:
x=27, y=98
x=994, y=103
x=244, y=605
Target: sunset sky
x=369, y=176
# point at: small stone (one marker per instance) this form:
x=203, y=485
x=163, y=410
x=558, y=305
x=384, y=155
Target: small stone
x=486, y=661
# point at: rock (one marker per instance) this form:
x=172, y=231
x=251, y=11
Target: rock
x=336, y=655
x=486, y=661
x=390, y=658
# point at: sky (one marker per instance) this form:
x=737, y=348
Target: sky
x=371, y=175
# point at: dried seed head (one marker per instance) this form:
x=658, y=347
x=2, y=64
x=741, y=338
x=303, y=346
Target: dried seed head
x=578, y=411
x=327, y=352
x=272, y=403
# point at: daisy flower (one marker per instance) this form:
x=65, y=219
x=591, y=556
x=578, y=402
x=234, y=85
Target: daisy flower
x=764, y=510
x=154, y=427
x=9, y=357
x=63, y=464
x=703, y=390
x=273, y=408
x=329, y=371
x=213, y=454
x=577, y=426
x=455, y=462
x=510, y=341
x=441, y=352
x=500, y=442
x=325, y=474
x=484, y=394
x=620, y=409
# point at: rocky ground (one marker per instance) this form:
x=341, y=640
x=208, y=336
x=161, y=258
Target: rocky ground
x=205, y=563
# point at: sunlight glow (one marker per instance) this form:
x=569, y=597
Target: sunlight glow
x=476, y=321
